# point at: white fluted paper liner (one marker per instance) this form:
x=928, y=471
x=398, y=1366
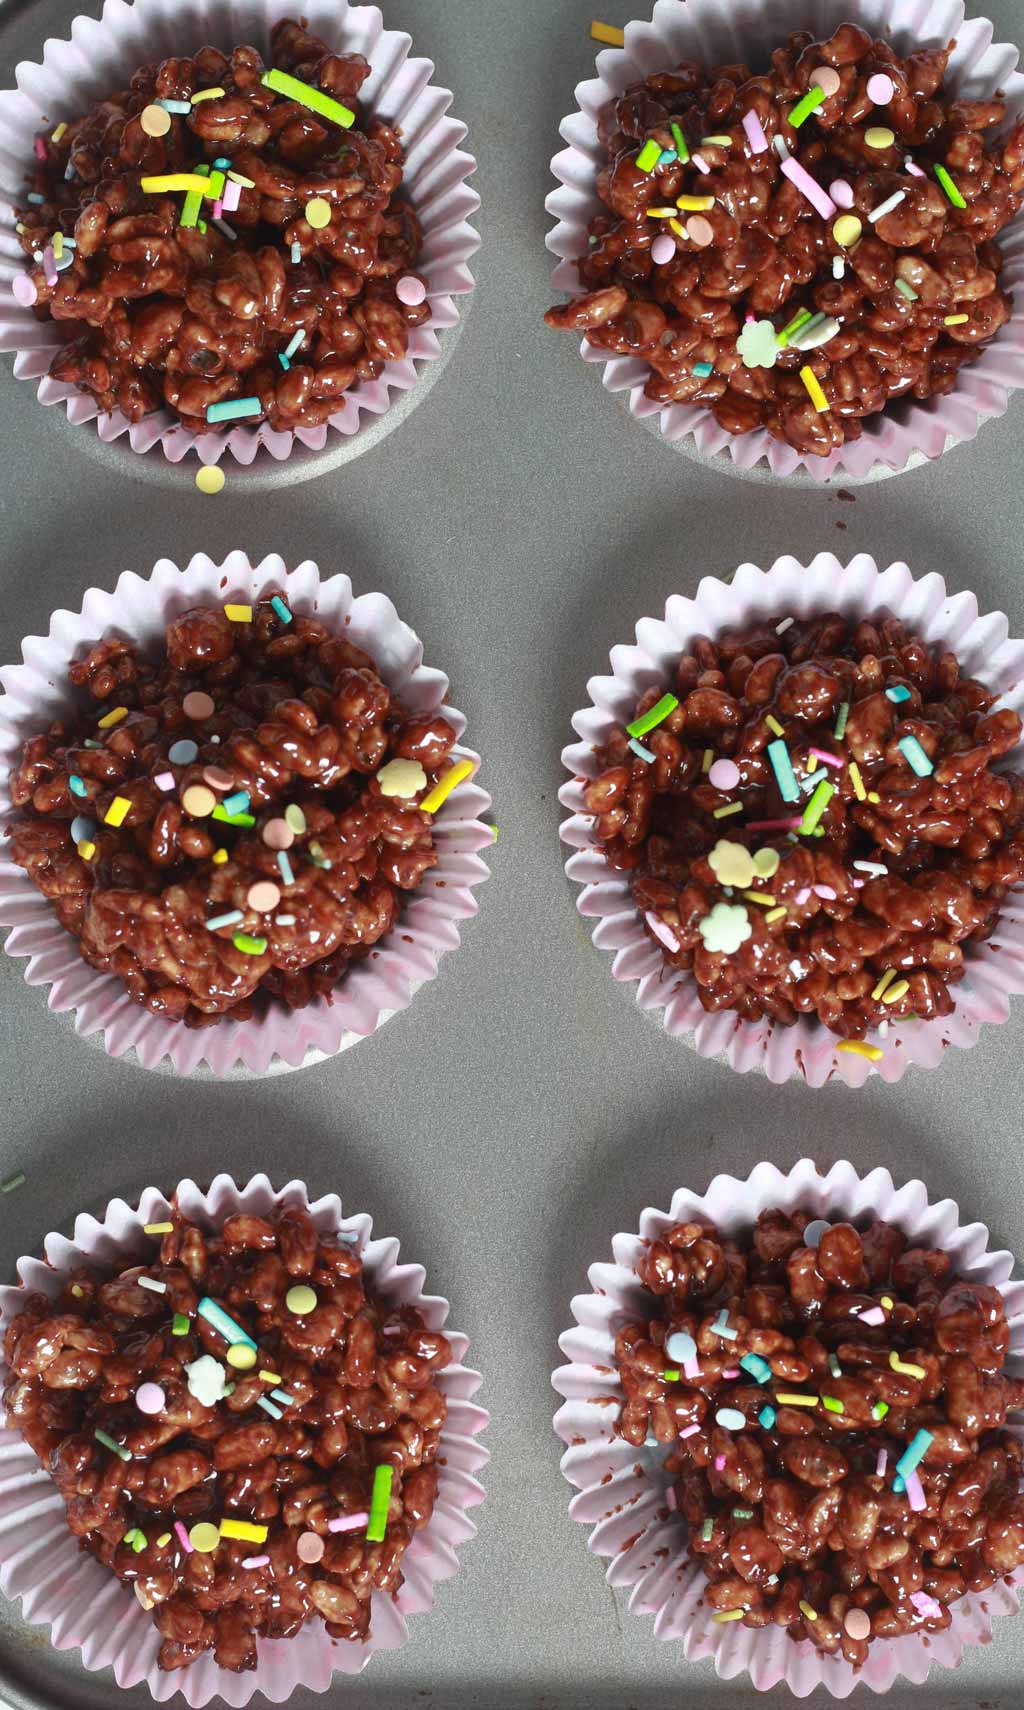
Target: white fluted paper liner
x=749, y=30
x=86, y=1607
x=34, y=692
x=622, y=1489
x=995, y=969
x=102, y=56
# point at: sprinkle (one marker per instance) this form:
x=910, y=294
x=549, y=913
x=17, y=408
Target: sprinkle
x=838, y=267
x=927, y=1606
x=906, y=291
x=218, y=857
x=716, y=142
x=831, y=1405
x=301, y=1299
x=847, y=230
x=296, y=253
x=695, y=204
x=194, y=201
x=231, y=918
x=915, y=1493
x=914, y=1454
x=950, y=187
x=443, y=789
x=268, y=1407
x=722, y=1327
x=249, y=945
x=150, y=1398
x=907, y=1368
x=913, y=169
x=767, y=1417
x=348, y=1522
x=115, y=1448
x=899, y=692
x=639, y=749
x=817, y=805
x=880, y=1409
x=755, y=133
x=915, y=756
x=955, y=320
x=709, y=1525
x=812, y=191
x=307, y=96
x=280, y=608
x=210, y=479
x=818, y=331
x=776, y=914
x=730, y=1419
x=724, y=812
x=797, y=1400
x=806, y=1610
x=241, y=1356
x=256, y=1561
x=782, y=766
x=223, y=1324
x=806, y=106
x=214, y=94
x=179, y=1325
x=827, y=78
x=828, y=759
x=887, y=206
x=728, y=1615
x=182, y=753
x=858, y=783
x=153, y=1286
x=799, y=320
x=233, y=409
x=158, y=1229
x=887, y=1302
x=310, y=1548
x=649, y=156
x=840, y=730
x=238, y=802
x=875, y=868
x=204, y=1537
x=703, y=369
x=174, y=106
x=701, y=164
x=834, y=1367
x=880, y=136
x=220, y=812
x=899, y=990
x=116, y=813
x=12, y=1183
x=874, y=1315
x=883, y=985
x=815, y=393
x=690, y=1431
x=245, y=1530
x=284, y=920
x=176, y=181
x=743, y=1514
x=380, y=1500
x=111, y=718
x=183, y=1537
x=860, y=1048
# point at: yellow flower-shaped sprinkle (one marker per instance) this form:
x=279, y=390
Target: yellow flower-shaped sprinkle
x=758, y=345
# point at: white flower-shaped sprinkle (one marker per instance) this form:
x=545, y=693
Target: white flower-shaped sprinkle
x=725, y=928
x=758, y=345
x=207, y=1380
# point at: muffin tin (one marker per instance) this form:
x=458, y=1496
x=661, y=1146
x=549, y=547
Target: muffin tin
x=523, y=1109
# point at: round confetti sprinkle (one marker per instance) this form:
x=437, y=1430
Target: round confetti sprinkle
x=881, y=89
x=681, y=1346
x=310, y=1548
x=663, y=250
x=295, y=817
x=82, y=829
x=278, y=834
x=240, y=1357
x=410, y=291
x=827, y=78
x=198, y=704
x=814, y=1232
x=263, y=896
x=217, y=778
x=700, y=231
x=150, y=1398
x=847, y=230
x=879, y=136
x=23, y=291
x=183, y=753
x=198, y=801
x=210, y=479
x=155, y=121
x=841, y=193
x=300, y=1300
x=318, y=213
x=204, y=1538
x=857, y=1623
x=724, y=774
x=730, y=1419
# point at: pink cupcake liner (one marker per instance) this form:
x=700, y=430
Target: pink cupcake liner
x=706, y=31
x=87, y=1608
x=621, y=1489
x=406, y=958
x=102, y=55
x=806, y=1051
